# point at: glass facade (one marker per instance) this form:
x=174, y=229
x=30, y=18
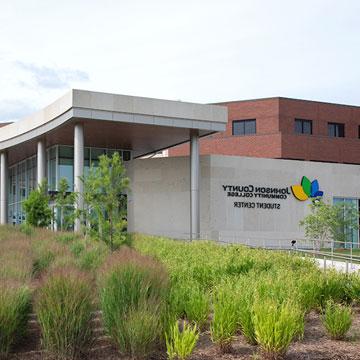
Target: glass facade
x=352, y=235
x=22, y=179
x=60, y=164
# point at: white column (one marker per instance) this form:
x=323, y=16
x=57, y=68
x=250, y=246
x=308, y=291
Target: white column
x=41, y=161
x=3, y=188
x=78, y=168
x=194, y=185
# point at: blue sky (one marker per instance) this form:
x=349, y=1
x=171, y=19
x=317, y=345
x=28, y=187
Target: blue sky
x=201, y=51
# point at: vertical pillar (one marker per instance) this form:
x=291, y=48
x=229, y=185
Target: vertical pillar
x=194, y=185
x=3, y=188
x=78, y=169
x=41, y=161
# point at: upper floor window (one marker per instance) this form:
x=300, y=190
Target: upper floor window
x=359, y=131
x=303, y=126
x=336, y=129
x=244, y=127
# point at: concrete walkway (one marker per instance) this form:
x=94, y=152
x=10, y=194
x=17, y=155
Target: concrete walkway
x=338, y=265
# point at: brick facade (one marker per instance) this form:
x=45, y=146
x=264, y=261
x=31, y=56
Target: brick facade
x=275, y=132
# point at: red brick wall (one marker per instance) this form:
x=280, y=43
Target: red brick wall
x=275, y=137
x=319, y=146
x=266, y=142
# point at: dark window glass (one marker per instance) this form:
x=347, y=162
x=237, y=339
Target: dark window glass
x=359, y=131
x=244, y=127
x=303, y=126
x=336, y=130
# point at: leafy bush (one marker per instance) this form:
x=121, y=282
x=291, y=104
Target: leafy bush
x=63, y=306
x=130, y=283
x=14, y=310
x=276, y=324
x=36, y=207
x=181, y=343
x=225, y=319
x=337, y=319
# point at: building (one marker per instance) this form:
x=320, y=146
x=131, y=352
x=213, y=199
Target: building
x=66, y=137
x=282, y=128
x=262, y=161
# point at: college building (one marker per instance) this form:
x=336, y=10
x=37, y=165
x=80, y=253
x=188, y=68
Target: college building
x=242, y=171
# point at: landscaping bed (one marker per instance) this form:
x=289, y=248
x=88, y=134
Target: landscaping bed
x=79, y=299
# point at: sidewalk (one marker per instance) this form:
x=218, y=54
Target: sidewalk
x=338, y=265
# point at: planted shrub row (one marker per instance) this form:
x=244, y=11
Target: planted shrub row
x=15, y=295
x=133, y=289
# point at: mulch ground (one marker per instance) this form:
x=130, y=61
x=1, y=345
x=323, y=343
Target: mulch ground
x=316, y=344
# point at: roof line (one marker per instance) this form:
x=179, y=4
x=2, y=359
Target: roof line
x=284, y=98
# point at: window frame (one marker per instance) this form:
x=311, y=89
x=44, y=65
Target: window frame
x=336, y=127
x=243, y=123
x=302, y=122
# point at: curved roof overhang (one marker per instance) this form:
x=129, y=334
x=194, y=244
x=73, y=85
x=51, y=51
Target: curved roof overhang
x=143, y=125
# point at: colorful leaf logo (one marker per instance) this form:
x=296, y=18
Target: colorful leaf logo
x=306, y=189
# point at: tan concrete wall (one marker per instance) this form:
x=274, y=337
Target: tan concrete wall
x=159, y=203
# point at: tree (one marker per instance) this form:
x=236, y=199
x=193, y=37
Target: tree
x=330, y=222
x=36, y=207
x=104, y=199
x=64, y=202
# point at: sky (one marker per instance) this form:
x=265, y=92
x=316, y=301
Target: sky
x=198, y=51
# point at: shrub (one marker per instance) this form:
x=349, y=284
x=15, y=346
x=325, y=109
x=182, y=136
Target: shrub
x=225, y=319
x=337, y=319
x=14, y=310
x=63, y=306
x=181, y=343
x=130, y=283
x=276, y=325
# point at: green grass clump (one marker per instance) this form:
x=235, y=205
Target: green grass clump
x=225, y=319
x=140, y=332
x=132, y=287
x=63, y=307
x=276, y=324
x=188, y=300
x=337, y=319
x=14, y=311
x=180, y=343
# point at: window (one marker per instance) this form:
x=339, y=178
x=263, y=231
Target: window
x=351, y=235
x=359, y=131
x=244, y=127
x=303, y=126
x=336, y=130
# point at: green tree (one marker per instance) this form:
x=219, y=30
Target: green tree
x=104, y=200
x=330, y=222
x=64, y=202
x=36, y=207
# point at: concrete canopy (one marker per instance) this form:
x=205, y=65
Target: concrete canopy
x=143, y=125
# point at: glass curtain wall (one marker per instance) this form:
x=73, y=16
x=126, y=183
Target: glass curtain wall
x=22, y=180
x=352, y=235
x=60, y=164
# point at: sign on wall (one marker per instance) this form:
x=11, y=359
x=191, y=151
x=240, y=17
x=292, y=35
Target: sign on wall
x=252, y=195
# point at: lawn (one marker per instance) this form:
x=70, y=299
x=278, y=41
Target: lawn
x=162, y=298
